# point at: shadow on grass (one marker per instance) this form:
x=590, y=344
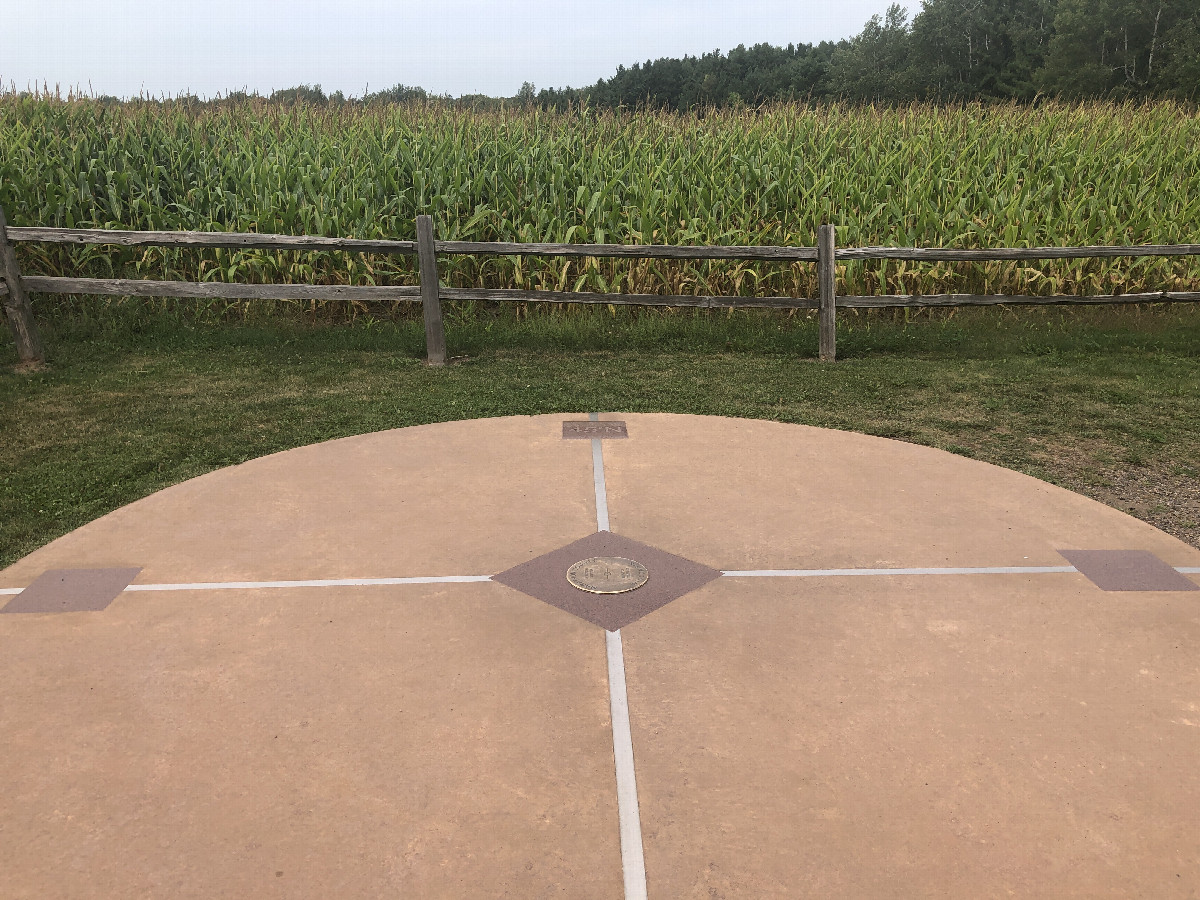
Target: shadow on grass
x=104, y=325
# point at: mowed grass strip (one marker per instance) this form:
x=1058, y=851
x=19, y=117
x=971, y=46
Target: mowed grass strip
x=1103, y=401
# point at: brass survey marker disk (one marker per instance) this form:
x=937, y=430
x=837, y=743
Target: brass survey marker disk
x=607, y=575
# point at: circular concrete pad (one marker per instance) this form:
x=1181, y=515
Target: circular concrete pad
x=315, y=688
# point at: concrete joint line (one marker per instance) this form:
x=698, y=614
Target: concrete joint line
x=466, y=579
x=598, y=478
x=324, y=582
x=961, y=570
x=601, y=489
x=633, y=861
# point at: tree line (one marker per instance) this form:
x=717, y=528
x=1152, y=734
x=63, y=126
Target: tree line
x=952, y=50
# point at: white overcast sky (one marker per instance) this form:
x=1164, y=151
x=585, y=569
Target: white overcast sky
x=457, y=47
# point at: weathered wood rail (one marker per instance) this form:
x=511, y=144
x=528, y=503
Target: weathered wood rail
x=15, y=288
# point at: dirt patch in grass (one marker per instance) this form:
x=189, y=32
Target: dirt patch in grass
x=1161, y=493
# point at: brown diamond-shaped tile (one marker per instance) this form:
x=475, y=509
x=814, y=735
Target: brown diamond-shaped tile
x=545, y=578
x=72, y=590
x=1127, y=570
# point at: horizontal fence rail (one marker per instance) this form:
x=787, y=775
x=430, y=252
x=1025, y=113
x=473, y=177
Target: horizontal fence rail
x=254, y=240
x=880, y=301
x=14, y=287
x=224, y=290
x=948, y=254
x=231, y=240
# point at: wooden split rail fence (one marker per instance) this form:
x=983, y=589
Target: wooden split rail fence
x=15, y=288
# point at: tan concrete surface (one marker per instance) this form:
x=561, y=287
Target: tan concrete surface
x=407, y=741
x=461, y=498
x=740, y=494
x=912, y=736
x=964, y=736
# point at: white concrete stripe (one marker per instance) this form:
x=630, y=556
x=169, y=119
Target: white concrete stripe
x=326, y=582
x=633, y=861
x=462, y=579
x=601, y=489
x=826, y=573
x=598, y=478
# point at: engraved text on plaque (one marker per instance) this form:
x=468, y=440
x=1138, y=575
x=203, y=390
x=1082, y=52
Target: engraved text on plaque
x=607, y=575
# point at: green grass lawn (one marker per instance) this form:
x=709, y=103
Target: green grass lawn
x=1104, y=401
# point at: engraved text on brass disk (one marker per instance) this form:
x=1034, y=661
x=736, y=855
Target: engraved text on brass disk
x=607, y=575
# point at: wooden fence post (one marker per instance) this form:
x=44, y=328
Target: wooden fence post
x=16, y=303
x=431, y=301
x=827, y=279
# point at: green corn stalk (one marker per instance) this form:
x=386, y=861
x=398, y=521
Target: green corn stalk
x=972, y=177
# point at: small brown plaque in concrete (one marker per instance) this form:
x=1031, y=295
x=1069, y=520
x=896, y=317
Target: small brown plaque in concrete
x=72, y=590
x=589, y=430
x=669, y=577
x=1127, y=570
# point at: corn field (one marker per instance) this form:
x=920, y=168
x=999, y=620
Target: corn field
x=975, y=176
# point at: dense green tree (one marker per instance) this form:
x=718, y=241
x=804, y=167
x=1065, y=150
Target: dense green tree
x=877, y=64
x=1180, y=72
x=952, y=50
x=746, y=74
x=399, y=93
x=302, y=93
x=1122, y=48
x=980, y=48
x=527, y=95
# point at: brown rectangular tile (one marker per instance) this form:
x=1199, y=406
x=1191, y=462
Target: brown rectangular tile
x=72, y=590
x=589, y=430
x=1127, y=570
